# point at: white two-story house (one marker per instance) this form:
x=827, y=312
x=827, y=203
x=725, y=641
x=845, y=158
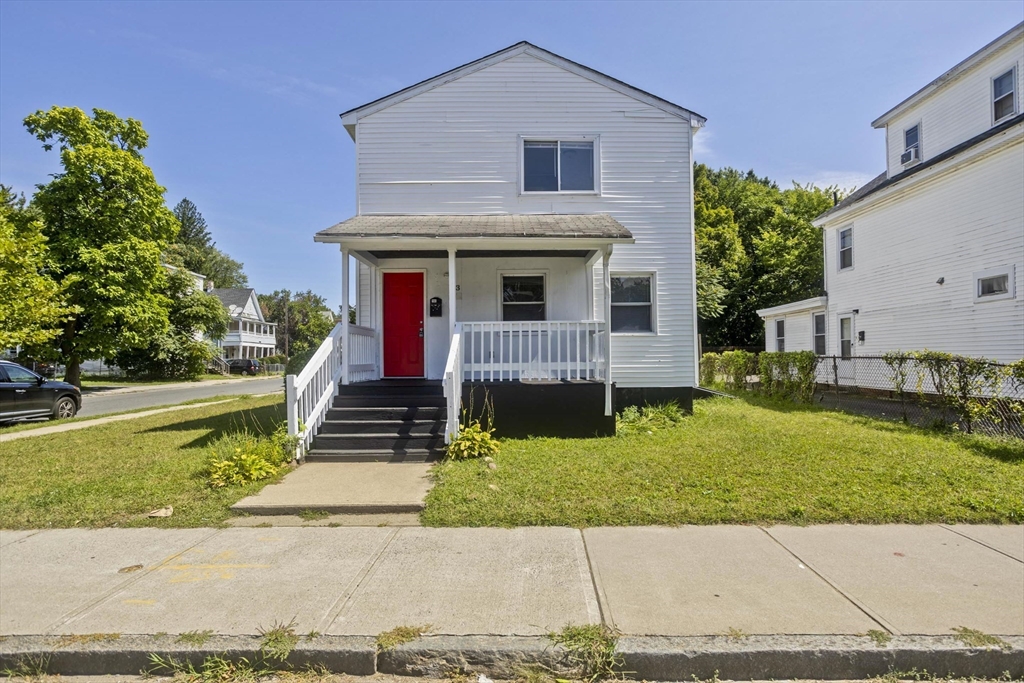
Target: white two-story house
x=930, y=254
x=524, y=224
x=249, y=334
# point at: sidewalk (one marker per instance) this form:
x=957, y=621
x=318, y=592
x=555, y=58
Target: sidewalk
x=115, y=390
x=824, y=582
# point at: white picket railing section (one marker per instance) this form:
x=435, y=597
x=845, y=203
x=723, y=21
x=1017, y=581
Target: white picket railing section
x=453, y=386
x=534, y=350
x=308, y=395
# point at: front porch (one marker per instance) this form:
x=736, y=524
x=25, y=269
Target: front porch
x=511, y=305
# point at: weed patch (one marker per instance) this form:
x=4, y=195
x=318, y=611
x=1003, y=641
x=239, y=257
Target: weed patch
x=974, y=638
x=194, y=638
x=29, y=668
x=313, y=515
x=81, y=639
x=591, y=650
x=278, y=641
x=389, y=640
x=881, y=638
x=214, y=669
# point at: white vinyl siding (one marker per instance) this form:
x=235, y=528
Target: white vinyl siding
x=798, y=329
x=960, y=110
x=951, y=227
x=454, y=150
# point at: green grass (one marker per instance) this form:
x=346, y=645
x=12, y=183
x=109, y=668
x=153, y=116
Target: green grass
x=116, y=473
x=7, y=428
x=739, y=461
x=90, y=382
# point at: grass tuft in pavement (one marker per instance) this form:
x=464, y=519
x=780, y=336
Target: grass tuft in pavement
x=194, y=638
x=83, y=638
x=972, y=637
x=591, y=650
x=880, y=637
x=739, y=461
x=214, y=669
x=29, y=669
x=278, y=641
x=389, y=640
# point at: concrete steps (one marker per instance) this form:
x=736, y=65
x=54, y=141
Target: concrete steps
x=383, y=421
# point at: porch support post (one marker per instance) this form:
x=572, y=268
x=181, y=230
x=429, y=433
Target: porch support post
x=607, y=291
x=451, y=295
x=344, y=316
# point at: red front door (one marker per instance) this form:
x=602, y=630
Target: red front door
x=403, y=325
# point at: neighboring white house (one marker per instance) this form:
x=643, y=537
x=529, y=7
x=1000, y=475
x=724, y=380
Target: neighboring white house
x=930, y=254
x=524, y=201
x=249, y=334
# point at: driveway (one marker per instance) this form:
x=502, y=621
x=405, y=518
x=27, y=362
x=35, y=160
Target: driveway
x=104, y=401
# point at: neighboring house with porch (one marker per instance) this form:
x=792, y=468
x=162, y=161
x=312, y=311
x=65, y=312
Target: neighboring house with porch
x=524, y=226
x=930, y=254
x=249, y=334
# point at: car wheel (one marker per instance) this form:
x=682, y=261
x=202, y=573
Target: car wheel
x=65, y=408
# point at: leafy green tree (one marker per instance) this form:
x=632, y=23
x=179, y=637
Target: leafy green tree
x=32, y=308
x=756, y=248
x=183, y=350
x=107, y=225
x=195, y=249
x=303, y=321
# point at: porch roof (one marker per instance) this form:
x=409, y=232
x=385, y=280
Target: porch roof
x=596, y=226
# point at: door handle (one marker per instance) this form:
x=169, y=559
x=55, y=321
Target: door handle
x=421, y=333
x=22, y=391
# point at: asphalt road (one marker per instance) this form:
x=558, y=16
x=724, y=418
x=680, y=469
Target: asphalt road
x=100, y=402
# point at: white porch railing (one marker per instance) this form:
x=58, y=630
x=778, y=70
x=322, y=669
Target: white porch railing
x=453, y=386
x=308, y=395
x=534, y=350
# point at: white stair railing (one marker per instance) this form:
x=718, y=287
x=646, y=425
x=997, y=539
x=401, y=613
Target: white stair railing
x=453, y=386
x=308, y=395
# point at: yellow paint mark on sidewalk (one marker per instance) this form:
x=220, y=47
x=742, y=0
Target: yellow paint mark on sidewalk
x=195, y=573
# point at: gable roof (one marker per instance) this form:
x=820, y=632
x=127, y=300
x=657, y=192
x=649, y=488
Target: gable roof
x=236, y=298
x=579, y=226
x=950, y=75
x=882, y=181
x=352, y=116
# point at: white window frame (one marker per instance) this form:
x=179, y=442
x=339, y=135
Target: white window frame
x=1011, y=285
x=653, y=304
x=1013, y=96
x=596, y=139
x=839, y=249
x=824, y=334
x=502, y=274
x=775, y=324
x=919, y=145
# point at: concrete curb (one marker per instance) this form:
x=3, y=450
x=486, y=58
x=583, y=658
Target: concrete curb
x=647, y=657
x=258, y=510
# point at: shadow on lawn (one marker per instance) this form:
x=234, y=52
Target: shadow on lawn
x=263, y=420
x=1005, y=449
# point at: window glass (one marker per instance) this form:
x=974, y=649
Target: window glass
x=780, y=335
x=1003, y=96
x=990, y=286
x=819, y=334
x=19, y=374
x=846, y=337
x=522, y=297
x=631, y=304
x=911, y=137
x=576, y=166
x=846, y=248
x=540, y=166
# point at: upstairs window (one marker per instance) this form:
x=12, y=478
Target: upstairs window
x=846, y=248
x=632, y=305
x=522, y=297
x=1004, y=96
x=994, y=284
x=911, y=145
x=780, y=335
x=559, y=166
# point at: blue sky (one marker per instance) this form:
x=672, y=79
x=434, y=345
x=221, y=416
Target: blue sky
x=241, y=100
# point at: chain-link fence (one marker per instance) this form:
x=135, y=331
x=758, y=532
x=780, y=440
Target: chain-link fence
x=925, y=389
x=973, y=395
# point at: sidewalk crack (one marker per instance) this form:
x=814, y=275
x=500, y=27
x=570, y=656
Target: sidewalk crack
x=352, y=588
x=868, y=612
x=981, y=543
x=603, y=611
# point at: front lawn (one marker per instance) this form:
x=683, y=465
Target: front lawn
x=116, y=473
x=739, y=461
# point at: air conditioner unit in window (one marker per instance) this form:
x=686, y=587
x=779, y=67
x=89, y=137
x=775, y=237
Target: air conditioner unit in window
x=909, y=156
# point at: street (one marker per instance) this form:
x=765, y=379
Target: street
x=116, y=400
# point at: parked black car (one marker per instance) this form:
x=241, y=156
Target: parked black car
x=244, y=366
x=25, y=394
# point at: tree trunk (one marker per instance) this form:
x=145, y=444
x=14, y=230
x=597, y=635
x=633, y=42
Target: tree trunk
x=73, y=372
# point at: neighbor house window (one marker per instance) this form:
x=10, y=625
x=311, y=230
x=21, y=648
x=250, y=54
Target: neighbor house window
x=996, y=283
x=522, y=297
x=1004, y=96
x=846, y=248
x=632, y=303
x=819, y=334
x=780, y=335
x=559, y=166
